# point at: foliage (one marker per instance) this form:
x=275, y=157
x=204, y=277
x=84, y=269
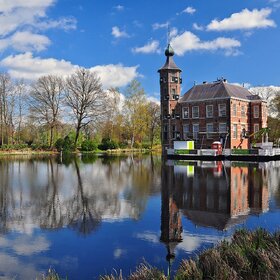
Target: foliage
x=66, y=145
x=89, y=145
x=107, y=144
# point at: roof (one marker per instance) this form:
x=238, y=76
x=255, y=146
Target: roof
x=219, y=89
x=169, y=65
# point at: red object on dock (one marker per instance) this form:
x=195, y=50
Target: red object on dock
x=217, y=146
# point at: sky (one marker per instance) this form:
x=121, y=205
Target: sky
x=125, y=40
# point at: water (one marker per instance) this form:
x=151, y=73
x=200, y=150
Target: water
x=88, y=216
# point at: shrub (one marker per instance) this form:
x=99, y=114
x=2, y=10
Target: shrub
x=89, y=145
x=65, y=145
x=107, y=144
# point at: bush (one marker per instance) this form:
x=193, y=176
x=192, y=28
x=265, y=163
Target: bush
x=89, y=145
x=107, y=144
x=65, y=145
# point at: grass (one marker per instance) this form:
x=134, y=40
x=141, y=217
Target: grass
x=249, y=255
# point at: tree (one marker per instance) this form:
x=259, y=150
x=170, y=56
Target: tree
x=153, y=121
x=7, y=102
x=135, y=110
x=46, y=97
x=85, y=97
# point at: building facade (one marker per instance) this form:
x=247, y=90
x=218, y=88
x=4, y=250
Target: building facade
x=208, y=112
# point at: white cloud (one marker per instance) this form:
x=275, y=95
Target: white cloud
x=115, y=75
x=30, y=68
x=65, y=23
x=244, y=20
x=198, y=27
x=119, y=8
x=151, y=47
x=25, y=41
x=117, y=33
x=157, y=25
x=189, y=10
x=6, y=6
x=188, y=41
x=173, y=32
x=20, y=21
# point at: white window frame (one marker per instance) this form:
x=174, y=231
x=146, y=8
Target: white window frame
x=193, y=115
x=184, y=110
x=222, y=110
x=234, y=131
x=256, y=109
x=209, y=131
x=256, y=127
x=195, y=133
x=209, y=111
x=220, y=125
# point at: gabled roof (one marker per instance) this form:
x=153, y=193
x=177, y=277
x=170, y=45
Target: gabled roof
x=219, y=89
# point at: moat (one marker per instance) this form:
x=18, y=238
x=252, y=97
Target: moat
x=90, y=215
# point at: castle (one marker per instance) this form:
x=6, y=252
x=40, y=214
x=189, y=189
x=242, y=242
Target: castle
x=208, y=112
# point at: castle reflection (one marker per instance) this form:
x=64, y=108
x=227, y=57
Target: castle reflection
x=210, y=194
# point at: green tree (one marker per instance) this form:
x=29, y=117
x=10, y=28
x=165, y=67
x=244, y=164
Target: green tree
x=135, y=112
x=153, y=122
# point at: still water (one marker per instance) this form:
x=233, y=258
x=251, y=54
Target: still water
x=91, y=215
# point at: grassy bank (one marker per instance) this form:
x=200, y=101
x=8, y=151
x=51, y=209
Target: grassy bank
x=249, y=255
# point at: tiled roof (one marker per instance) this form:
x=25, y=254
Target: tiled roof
x=219, y=89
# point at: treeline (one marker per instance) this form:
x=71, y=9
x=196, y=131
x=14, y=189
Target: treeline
x=75, y=112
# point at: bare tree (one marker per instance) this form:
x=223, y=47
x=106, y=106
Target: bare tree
x=6, y=107
x=85, y=97
x=46, y=96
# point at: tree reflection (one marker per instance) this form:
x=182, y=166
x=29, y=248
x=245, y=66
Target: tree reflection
x=84, y=217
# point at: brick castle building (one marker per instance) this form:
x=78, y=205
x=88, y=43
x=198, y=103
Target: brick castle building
x=208, y=112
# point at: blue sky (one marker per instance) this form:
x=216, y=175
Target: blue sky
x=123, y=40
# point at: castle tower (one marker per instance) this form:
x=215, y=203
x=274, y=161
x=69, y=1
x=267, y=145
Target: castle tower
x=170, y=88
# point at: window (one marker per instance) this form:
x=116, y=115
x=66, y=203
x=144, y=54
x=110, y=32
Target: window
x=256, y=127
x=195, y=112
x=209, y=111
x=173, y=131
x=234, y=110
x=243, y=131
x=165, y=131
x=234, y=131
x=222, y=110
x=195, y=131
x=243, y=113
x=209, y=130
x=186, y=130
x=185, y=112
x=222, y=127
x=256, y=112
x=174, y=79
x=173, y=92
